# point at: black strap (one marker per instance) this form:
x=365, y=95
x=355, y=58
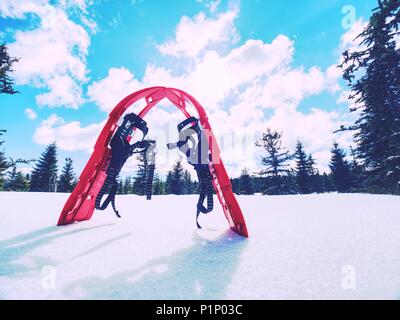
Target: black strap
x=121, y=150
x=194, y=157
x=150, y=166
x=206, y=191
x=187, y=121
x=109, y=187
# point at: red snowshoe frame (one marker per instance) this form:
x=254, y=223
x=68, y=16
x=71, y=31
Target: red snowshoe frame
x=81, y=203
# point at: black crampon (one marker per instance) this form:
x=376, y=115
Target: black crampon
x=121, y=150
x=193, y=143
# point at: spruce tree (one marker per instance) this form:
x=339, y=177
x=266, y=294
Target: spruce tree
x=357, y=173
x=120, y=186
x=235, y=185
x=16, y=181
x=127, y=185
x=4, y=165
x=259, y=184
x=6, y=63
x=44, y=175
x=372, y=72
x=276, y=158
x=275, y=162
x=21, y=182
x=340, y=169
x=158, y=186
x=245, y=183
x=1, y=133
x=175, y=179
x=302, y=169
x=187, y=180
x=168, y=183
x=196, y=187
x=315, y=183
x=66, y=181
x=310, y=165
x=28, y=180
x=326, y=181
x=10, y=179
x=139, y=182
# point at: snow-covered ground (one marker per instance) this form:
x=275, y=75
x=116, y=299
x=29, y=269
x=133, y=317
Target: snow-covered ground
x=300, y=247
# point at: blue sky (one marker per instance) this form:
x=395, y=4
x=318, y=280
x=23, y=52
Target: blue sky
x=252, y=64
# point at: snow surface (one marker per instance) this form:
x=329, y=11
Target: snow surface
x=327, y=246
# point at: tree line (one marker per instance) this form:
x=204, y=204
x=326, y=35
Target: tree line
x=277, y=177
x=372, y=74
x=45, y=178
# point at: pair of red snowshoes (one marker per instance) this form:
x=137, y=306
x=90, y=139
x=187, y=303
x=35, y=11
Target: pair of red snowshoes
x=113, y=148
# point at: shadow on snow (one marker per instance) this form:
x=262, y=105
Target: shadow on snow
x=11, y=250
x=201, y=271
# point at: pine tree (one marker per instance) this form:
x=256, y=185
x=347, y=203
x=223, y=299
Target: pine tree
x=4, y=165
x=21, y=182
x=6, y=62
x=187, y=180
x=315, y=183
x=259, y=184
x=10, y=178
x=1, y=133
x=235, y=185
x=327, y=185
x=16, y=181
x=66, y=181
x=158, y=186
x=127, y=185
x=357, y=174
x=373, y=75
x=310, y=165
x=340, y=169
x=44, y=175
x=302, y=169
x=277, y=157
x=175, y=179
x=139, y=182
x=120, y=186
x=196, y=187
x=275, y=162
x=168, y=183
x=28, y=180
x=245, y=183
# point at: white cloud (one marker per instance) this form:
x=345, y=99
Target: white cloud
x=25, y=170
x=314, y=129
x=213, y=5
x=63, y=91
x=69, y=136
x=193, y=35
x=53, y=53
x=244, y=89
x=246, y=63
x=30, y=113
x=349, y=39
x=79, y=4
x=19, y=9
x=292, y=86
x=107, y=92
